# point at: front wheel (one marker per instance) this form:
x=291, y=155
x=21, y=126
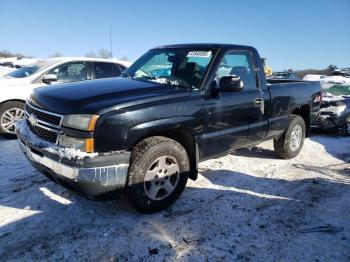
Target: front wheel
x=10, y=113
x=158, y=173
x=290, y=143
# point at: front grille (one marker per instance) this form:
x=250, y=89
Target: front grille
x=44, y=124
x=44, y=116
x=43, y=133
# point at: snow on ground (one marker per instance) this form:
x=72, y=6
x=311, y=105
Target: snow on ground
x=247, y=206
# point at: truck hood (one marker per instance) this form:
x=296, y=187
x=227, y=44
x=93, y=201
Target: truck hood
x=101, y=96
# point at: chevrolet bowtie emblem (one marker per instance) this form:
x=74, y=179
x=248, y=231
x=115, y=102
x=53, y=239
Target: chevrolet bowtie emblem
x=33, y=120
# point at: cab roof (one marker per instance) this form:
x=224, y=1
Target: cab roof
x=206, y=45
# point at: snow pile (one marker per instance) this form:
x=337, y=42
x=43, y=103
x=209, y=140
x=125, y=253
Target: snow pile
x=69, y=153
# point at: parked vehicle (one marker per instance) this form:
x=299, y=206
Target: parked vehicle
x=285, y=75
x=8, y=64
x=17, y=85
x=21, y=62
x=335, y=110
x=328, y=81
x=145, y=135
x=342, y=72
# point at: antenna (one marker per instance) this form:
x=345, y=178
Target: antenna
x=110, y=40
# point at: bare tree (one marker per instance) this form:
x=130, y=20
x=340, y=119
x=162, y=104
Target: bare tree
x=327, y=71
x=104, y=53
x=91, y=54
x=5, y=53
x=56, y=54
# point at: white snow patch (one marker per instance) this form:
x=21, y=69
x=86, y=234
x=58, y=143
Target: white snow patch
x=69, y=153
x=55, y=197
x=11, y=215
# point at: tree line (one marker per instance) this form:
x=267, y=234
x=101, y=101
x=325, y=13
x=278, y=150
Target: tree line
x=327, y=71
x=100, y=53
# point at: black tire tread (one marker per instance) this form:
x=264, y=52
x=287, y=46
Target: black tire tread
x=280, y=145
x=142, y=147
x=133, y=175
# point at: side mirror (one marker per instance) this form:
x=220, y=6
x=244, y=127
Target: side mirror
x=231, y=84
x=49, y=78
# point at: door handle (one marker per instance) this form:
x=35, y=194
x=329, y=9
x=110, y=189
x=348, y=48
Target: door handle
x=258, y=101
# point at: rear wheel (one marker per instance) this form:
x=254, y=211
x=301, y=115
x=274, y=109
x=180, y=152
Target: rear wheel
x=158, y=173
x=10, y=113
x=290, y=143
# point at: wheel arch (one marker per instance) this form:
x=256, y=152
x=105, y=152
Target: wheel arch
x=304, y=112
x=11, y=100
x=185, y=138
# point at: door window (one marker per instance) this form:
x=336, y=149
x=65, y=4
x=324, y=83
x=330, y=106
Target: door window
x=71, y=72
x=239, y=64
x=104, y=70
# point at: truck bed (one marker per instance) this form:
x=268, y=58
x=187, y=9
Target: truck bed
x=287, y=96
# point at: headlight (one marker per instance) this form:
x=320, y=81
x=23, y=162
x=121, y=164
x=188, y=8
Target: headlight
x=81, y=122
x=84, y=145
x=335, y=109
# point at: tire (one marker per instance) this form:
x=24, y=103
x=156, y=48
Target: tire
x=10, y=113
x=291, y=142
x=152, y=157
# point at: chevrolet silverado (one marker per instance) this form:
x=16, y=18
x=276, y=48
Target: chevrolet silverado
x=144, y=133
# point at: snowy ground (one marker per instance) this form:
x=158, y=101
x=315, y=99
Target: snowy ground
x=249, y=206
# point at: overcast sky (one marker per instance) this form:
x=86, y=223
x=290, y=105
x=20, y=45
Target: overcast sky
x=291, y=34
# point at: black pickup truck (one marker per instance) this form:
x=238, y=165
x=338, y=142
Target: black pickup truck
x=145, y=132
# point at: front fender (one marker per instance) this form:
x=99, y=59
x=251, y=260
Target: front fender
x=141, y=131
x=110, y=137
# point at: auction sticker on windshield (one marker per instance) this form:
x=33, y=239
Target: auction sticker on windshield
x=199, y=54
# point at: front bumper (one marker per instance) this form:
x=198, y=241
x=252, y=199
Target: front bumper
x=94, y=175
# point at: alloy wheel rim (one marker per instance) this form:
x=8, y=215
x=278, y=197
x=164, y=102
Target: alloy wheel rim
x=9, y=119
x=161, y=178
x=296, y=137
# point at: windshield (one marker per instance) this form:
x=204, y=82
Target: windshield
x=182, y=67
x=30, y=69
x=339, y=90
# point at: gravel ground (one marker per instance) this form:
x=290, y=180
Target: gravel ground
x=247, y=206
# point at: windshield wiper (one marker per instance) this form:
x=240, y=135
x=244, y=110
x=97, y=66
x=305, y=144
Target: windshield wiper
x=126, y=74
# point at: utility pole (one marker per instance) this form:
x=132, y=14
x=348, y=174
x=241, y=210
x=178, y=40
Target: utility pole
x=110, y=39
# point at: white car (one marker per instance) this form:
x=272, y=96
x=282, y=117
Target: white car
x=24, y=62
x=16, y=86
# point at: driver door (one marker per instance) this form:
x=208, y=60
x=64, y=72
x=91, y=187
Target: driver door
x=229, y=115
